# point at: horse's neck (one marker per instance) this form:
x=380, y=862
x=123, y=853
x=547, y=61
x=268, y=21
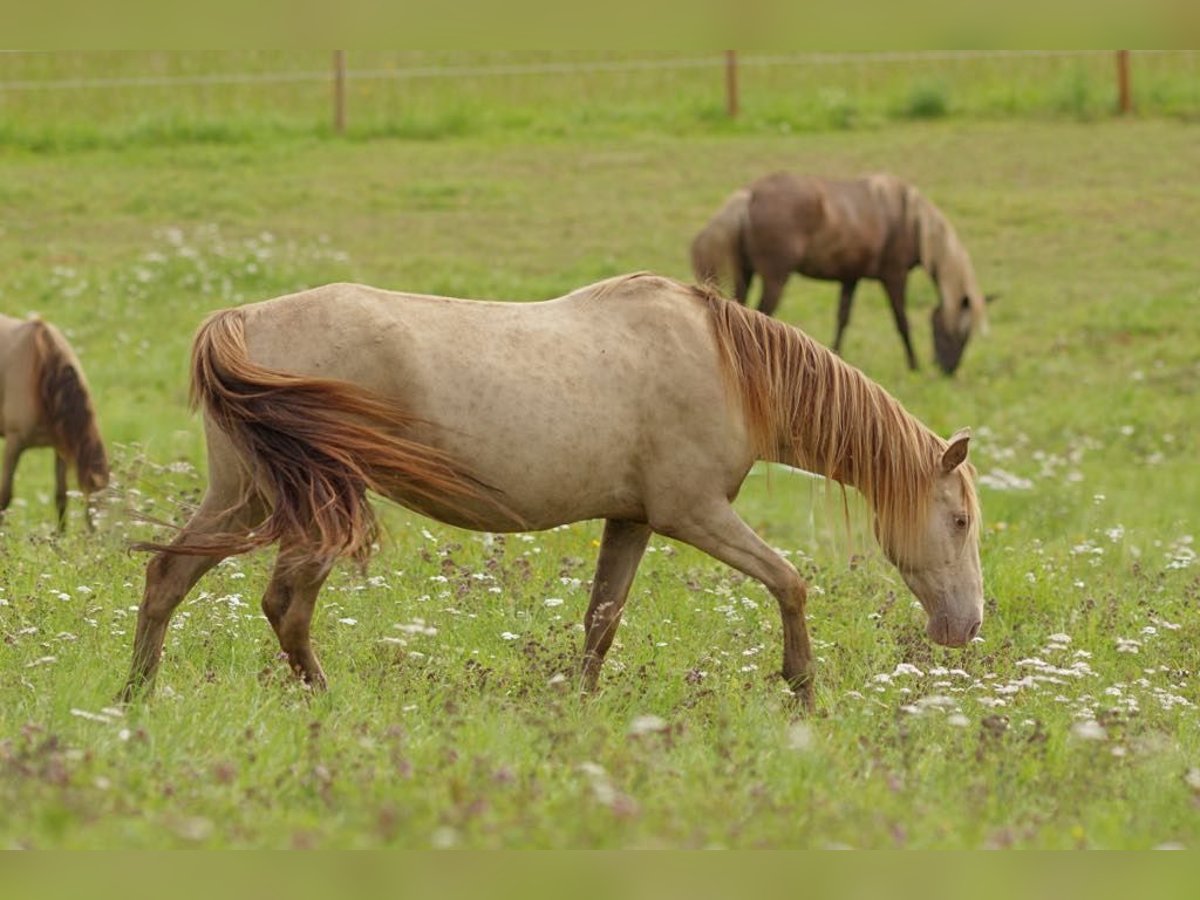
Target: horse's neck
x=937, y=247
x=843, y=426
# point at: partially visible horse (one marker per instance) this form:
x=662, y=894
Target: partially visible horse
x=45, y=402
x=875, y=227
x=638, y=400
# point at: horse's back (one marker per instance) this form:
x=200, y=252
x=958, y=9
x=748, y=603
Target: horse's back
x=18, y=410
x=835, y=229
x=561, y=404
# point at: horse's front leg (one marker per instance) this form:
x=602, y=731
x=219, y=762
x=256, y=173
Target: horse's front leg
x=60, y=491
x=718, y=531
x=895, y=288
x=12, y=452
x=621, y=550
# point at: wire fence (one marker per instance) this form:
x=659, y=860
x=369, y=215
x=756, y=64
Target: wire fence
x=434, y=94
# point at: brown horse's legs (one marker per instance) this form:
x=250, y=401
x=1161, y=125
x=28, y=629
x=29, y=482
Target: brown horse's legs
x=60, y=491
x=288, y=604
x=169, y=577
x=722, y=534
x=843, y=316
x=772, y=290
x=620, y=552
x=12, y=452
x=895, y=292
x=741, y=282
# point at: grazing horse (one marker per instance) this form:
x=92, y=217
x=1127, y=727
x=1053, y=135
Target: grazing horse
x=638, y=400
x=875, y=227
x=44, y=402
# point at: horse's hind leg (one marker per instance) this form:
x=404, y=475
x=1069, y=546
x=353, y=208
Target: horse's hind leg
x=719, y=532
x=772, y=290
x=169, y=577
x=60, y=491
x=621, y=550
x=743, y=274
x=845, y=301
x=288, y=604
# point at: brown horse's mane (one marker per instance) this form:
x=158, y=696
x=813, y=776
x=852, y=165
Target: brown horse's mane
x=943, y=256
x=806, y=407
x=67, y=409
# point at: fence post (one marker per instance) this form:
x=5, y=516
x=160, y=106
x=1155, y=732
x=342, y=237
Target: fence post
x=339, y=91
x=731, y=85
x=1124, y=96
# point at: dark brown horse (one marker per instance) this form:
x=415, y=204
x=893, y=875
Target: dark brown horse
x=876, y=227
x=639, y=400
x=44, y=402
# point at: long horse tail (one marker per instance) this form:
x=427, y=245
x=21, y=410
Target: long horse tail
x=718, y=249
x=314, y=447
x=67, y=408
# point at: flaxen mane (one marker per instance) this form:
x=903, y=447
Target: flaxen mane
x=67, y=409
x=945, y=258
x=805, y=406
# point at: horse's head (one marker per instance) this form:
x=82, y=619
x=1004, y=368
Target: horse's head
x=940, y=563
x=953, y=323
x=950, y=339
x=962, y=307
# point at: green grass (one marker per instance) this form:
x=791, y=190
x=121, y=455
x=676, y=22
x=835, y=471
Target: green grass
x=445, y=732
x=60, y=102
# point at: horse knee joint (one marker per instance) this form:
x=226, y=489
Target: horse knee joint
x=794, y=599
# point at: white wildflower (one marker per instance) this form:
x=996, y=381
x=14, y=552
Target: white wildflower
x=647, y=724
x=1089, y=730
x=800, y=737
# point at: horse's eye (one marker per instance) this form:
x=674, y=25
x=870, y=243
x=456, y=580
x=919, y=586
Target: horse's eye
x=961, y=522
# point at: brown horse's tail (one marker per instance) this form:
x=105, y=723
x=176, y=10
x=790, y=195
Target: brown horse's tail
x=67, y=408
x=314, y=446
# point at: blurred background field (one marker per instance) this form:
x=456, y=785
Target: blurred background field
x=59, y=100
x=131, y=210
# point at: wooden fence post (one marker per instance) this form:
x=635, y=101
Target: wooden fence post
x=731, y=85
x=1124, y=96
x=339, y=91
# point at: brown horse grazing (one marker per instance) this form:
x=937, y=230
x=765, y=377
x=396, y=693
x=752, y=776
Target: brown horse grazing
x=875, y=227
x=638, y=400
x=44, y=402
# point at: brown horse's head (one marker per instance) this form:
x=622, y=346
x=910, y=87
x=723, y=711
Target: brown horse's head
x=952, y=328
x=940, y=564
x=949, y=341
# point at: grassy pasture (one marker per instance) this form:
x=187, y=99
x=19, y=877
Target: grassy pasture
x=56, y=101
x=1072, y=724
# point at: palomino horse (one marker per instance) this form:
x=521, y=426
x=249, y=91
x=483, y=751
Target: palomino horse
x=875, y=227
x=44, y=402
x=638, y=400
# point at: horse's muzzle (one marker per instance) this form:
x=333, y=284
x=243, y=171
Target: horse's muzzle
x=952, y=633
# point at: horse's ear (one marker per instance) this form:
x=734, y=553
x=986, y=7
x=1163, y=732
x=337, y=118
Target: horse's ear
x=956, y=453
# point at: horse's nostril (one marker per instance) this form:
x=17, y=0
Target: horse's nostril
x=974, y=631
